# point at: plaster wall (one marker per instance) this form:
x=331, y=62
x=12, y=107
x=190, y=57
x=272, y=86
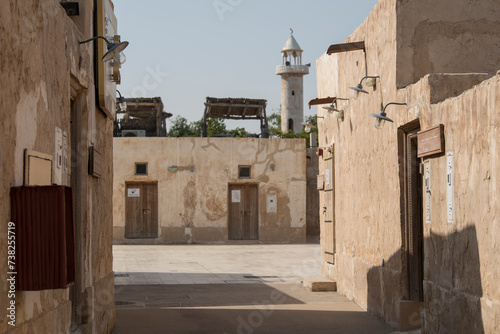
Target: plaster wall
x=40, y=67
x=461, y=256
x=370, y=265
x=292, y=101
x=193, y=201
x=443, y=36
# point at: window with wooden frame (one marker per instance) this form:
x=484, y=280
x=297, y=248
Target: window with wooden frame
x=244, y=172
x=141, y=168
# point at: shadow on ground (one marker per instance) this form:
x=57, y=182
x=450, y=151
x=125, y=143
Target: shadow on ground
x=238, y=308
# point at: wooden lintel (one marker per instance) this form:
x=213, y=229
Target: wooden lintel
x=234, y=105
x=234, y=117
x=323, y=100
x=346, y=47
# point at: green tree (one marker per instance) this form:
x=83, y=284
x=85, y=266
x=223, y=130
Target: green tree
x=215, y=126
x=274, y=121
x=274, y=124
x=181, y=128
x=239, y=132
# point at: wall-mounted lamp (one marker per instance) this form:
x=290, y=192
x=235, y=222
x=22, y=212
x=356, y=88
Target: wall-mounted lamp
x=382, y=116
x=339, y=113
x=370, y=82
x=308, y=127
x=114, y=50
x=122, y=102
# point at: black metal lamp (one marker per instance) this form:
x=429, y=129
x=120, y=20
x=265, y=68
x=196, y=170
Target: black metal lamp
x=381, y=117
x=113, y=49
x=122, y=102
x=370, y=81
x=339, y=113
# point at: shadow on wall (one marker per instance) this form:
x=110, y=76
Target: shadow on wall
x=452, y=287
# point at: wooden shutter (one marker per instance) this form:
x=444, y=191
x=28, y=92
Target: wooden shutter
x=45, y=239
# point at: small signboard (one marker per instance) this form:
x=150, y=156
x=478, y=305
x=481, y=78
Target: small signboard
x=235, y=196
x=431, y=141
x=321, y=181
x=272, y=203
x=134, y=192
x=95, y=162
x=327, y=177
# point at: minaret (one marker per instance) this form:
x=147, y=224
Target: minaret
x=292, y=85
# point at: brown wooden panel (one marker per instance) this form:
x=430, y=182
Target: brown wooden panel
x=329, y=198
x=149, y=228
x=345, y=47
x=414, y=220
x=328, y=242
x=132, y=212
x=235, y=221
x=250, y=215
x=141, y=213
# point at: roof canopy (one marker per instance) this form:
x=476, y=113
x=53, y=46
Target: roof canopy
x=236, y=108
x=143, y=113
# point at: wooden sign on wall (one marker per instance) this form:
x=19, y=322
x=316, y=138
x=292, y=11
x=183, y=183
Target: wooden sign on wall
x=95, y=162
x=431, y=141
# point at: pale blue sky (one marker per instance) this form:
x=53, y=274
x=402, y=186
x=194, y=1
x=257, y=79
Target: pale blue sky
x=184, y=51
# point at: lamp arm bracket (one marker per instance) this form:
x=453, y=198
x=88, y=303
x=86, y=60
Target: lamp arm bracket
x=396, y=103
x=368, y=77
x=93, y=38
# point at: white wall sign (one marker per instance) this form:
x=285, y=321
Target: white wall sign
x=272, y=203
x=327, y=177
x=134, y=192
x=235, y=196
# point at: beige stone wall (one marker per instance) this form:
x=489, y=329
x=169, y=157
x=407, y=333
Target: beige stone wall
x=193, y=201
x=41, y=60
x=443, y=37
x=460, y=258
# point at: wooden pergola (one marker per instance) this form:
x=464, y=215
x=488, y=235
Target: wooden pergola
x=143, y=113
x=236, y=109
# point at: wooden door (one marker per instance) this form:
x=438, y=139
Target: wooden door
x=329, y=214
x=243, y=212
x=414, y=220
x=141, y=211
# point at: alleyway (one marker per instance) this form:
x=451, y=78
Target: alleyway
x=228, y=289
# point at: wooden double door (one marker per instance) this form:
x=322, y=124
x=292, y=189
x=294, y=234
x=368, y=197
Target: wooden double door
x=243, y=212
x=141, y=210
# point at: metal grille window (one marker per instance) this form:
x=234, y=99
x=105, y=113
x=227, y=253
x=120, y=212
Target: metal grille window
x=244, y=172
x=141, y=168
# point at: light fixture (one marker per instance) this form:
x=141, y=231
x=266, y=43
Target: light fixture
x=370, y=82
x=308, y=127
x=122, y=102
x=382, y=116
x=339, y=113
x=114, y=50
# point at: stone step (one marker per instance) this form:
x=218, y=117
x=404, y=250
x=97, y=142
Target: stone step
x=319, y=283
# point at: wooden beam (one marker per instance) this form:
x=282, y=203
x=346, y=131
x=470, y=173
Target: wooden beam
x=323, y=100
x=346, y=47
x=234, y=105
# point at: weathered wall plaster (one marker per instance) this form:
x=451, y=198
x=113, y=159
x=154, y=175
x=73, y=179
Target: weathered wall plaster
x=41, y=59
x=461, y=258
x=195, y=197
x=443, y=36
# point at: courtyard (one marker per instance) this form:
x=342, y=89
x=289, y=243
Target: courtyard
x=243, y=288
